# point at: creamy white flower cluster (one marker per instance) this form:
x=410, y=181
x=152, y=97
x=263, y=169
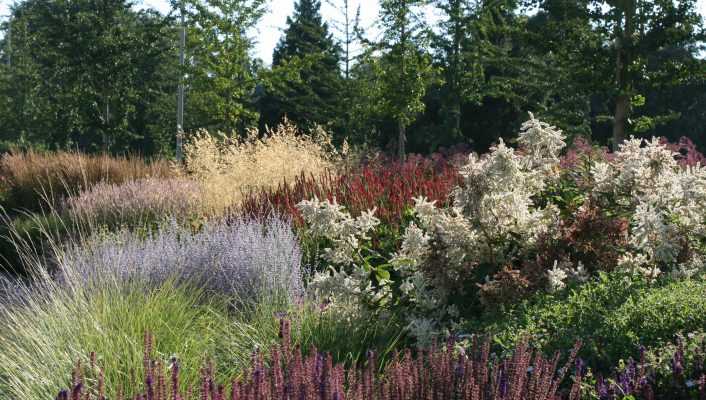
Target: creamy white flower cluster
x=564, y=271
x=415, y=248
x=346, y=289
x=451, y=230
x=354, y=289
x=667, y=203
x=492, y=209
x=542, y=144
x=330, y=220
x=495, y=205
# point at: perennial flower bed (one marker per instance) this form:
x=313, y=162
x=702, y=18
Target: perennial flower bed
x=519, y=223
x=438, y=372
x=547, y=271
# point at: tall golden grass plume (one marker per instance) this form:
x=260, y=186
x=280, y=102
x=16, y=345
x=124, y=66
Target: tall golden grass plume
x=230, y=167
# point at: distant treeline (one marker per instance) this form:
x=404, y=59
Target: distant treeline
x=100, y=75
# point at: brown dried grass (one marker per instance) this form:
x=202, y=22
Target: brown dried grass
x=33, y=179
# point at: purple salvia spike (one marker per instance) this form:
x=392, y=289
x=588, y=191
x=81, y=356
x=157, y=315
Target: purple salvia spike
x=175, y=379
x=150, y=387
x=76, y=392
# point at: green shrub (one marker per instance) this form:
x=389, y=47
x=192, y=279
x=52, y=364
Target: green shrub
x=614, y=316
x=656, y=315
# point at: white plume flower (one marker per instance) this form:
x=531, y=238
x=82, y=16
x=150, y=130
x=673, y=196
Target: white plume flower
x=542, y=142
x=557, y=277
x=330, y=220
x=654, y=235
x=415, y=247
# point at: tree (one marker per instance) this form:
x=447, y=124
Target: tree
x=458, y=44
x=347, y=26
x=631, y=37
x=486, y=70
x=152, y=121
x=565, y=47
x=405, y=69
x=349, y=32
x=222, y=77
x=640, y=31
x=20, y=121
x=305, y=83
x=85, y=67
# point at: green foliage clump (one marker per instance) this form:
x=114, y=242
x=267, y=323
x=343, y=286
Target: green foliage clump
x=654, y=316
x=613, y=316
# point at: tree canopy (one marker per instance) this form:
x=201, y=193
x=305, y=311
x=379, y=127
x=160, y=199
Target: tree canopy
x=102, y=75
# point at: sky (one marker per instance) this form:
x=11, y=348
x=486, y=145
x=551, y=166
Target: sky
x=270, y=28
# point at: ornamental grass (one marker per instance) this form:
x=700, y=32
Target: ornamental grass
x=137, y=203
x=229, y=167
x=31, y=179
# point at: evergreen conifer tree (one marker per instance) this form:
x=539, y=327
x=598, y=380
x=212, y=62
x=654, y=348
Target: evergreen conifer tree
x=306, y=82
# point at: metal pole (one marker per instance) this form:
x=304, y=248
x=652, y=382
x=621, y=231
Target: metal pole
x=8, y=61
x=180, y=91
x=9, y=41
x=106, y=122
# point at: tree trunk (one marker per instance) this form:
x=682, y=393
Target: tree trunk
x=456, y=120
x=623, y=58
x=401, y=140
x=620, y=119
x=106, y=122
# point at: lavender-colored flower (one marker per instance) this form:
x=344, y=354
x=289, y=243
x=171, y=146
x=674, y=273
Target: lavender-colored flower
x=241, y=257
x=602, y=389
x=626, y=379
x=580, y=366
x=427, y=375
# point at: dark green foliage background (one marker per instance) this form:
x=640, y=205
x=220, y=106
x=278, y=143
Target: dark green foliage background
x=102, y=76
